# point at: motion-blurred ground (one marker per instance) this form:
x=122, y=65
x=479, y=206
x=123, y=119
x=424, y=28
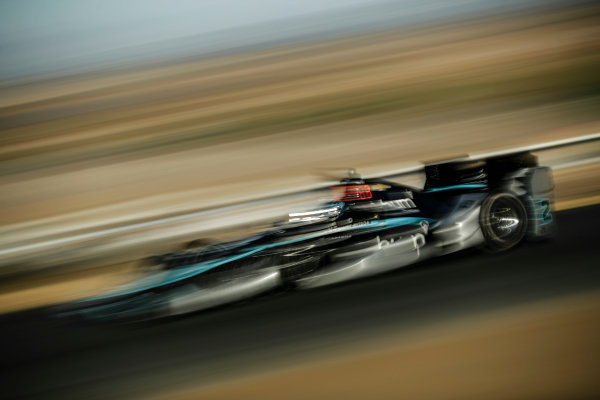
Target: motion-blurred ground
x=527, y=352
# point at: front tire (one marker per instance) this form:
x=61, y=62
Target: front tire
x=503, y=221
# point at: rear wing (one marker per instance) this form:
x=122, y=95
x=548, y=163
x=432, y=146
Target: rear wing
x=497, y=157
x=488, y=171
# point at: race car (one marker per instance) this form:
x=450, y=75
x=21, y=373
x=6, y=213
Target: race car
x=372, y=226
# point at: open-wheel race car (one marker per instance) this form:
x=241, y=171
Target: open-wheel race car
x=373, y=226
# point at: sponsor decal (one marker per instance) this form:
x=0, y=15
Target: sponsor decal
x=340, y=237
x=347, y=227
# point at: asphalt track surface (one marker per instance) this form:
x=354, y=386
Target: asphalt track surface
x=47, y=358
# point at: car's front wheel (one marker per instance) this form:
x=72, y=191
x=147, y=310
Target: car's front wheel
x=503, y=221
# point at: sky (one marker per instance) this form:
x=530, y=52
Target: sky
x=149, y=19
x=34, y=33
x=41, y=36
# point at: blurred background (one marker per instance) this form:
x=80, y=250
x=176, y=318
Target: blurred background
x=115, y=113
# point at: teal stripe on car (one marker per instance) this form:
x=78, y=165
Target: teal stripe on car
x=465, y=186
x=180, y=274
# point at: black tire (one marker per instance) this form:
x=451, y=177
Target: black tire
x=503, y=221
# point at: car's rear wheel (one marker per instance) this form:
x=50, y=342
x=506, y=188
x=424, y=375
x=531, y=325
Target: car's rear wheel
x=503, y=221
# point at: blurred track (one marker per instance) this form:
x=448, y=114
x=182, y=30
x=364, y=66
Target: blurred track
x=45, y=358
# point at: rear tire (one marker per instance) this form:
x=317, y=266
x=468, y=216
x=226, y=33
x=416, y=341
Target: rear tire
x=503, y=221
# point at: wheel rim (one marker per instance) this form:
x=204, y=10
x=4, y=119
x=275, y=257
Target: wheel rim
x=504, y=222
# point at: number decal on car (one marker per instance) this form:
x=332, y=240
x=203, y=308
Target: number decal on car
x=543, y=210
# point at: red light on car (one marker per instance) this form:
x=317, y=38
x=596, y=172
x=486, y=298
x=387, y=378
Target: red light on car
x=352, y=193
